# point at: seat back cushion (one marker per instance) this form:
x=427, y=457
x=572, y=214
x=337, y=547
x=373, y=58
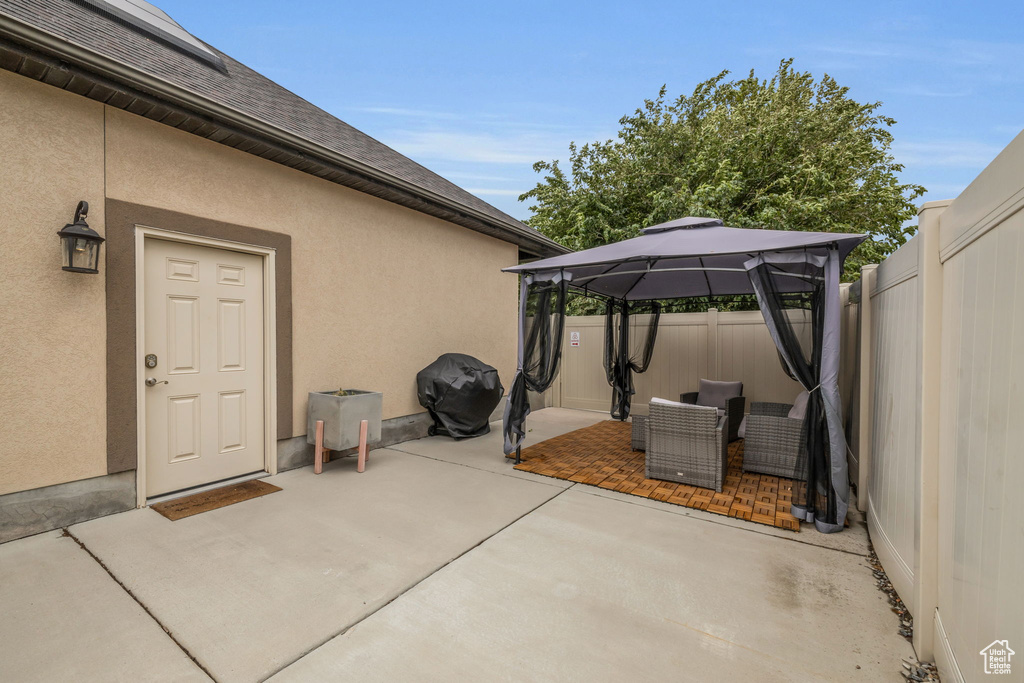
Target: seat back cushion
x=716, y=394
x=799, y=408
x=666, y=402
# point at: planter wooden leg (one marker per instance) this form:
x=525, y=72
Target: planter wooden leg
x=363, y=427
x=318, y=456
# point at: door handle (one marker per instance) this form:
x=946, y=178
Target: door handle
x=151, y=382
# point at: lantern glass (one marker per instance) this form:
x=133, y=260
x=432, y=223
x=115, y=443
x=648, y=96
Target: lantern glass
x=81, y=254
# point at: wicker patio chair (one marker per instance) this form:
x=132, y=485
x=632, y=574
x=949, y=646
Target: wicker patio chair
x=773, y=441
x=733, y=406
x=639, y=435
x=687, y=444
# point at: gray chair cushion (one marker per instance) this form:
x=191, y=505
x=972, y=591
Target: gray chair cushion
x=666, y=402
x=716, y=394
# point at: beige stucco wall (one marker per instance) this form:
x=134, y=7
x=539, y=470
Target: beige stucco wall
x=378, y=291
x=52, y=323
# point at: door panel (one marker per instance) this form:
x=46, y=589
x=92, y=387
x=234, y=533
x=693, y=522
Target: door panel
x=231, y=331
x=232, y=421
x=183, y=428
x=204, y=322
x=183, y=334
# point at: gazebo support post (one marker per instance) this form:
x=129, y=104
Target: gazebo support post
x=624, y=371
x=537, y=368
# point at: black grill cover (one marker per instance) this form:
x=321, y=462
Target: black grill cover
x=460, y=392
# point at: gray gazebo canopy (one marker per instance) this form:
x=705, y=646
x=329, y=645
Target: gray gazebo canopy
x=687, y=257
x=701, y=257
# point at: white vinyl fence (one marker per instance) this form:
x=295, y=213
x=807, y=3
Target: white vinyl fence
x=690, y=346
x=932, y=380
x=892, y=475
x=939, y=428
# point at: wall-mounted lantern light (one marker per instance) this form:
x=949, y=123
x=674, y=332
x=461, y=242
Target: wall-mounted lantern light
x=80, y=244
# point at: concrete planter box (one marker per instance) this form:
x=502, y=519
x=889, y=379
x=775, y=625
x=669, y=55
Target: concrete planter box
x=342, y=415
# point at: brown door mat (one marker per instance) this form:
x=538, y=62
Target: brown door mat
x=211, y=500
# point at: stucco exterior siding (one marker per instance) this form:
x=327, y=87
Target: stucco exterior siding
x=52, y=345
x=378, y=290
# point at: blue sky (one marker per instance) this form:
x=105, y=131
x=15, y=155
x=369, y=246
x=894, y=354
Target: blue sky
x=479, y=91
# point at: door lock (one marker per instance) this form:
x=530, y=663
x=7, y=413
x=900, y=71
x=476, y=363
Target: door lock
x=151, y=360
x=151, y=382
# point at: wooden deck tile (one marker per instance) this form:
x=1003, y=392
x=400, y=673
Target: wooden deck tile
x=600, y=455
x=741, y=511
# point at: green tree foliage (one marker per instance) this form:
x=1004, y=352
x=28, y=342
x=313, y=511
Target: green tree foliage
x=790, y=153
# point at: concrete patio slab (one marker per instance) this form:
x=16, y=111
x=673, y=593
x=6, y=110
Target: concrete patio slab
x=592, y=588
x=485, y=452
x=65, y=619
x=249, y=588
x=443, y=563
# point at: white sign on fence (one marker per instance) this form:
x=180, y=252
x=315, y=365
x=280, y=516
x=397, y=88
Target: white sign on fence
x=574, y=339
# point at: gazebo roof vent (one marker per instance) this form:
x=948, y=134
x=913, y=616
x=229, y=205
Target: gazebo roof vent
x=688, y=223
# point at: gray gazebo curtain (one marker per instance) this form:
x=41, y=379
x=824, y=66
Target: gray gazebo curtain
x=630, y=331
x=811, y=356
x=541, y=323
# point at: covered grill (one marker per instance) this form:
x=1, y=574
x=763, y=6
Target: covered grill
x=460, y=393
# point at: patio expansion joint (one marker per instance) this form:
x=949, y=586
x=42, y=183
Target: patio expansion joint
x=415, y=583
x=67, y=532
x=537, y=479
x=600, y=493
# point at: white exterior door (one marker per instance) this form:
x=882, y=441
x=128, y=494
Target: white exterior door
x=204, y=323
